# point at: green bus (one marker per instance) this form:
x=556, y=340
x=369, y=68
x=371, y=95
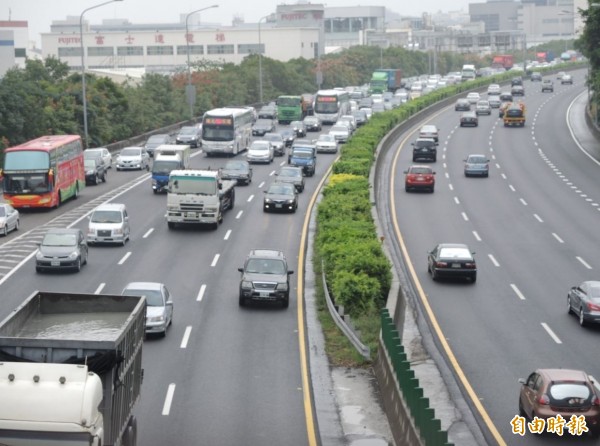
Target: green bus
x=289, y=108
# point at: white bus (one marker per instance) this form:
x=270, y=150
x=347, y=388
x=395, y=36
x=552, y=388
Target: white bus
x=226, y=131
x=331, y=104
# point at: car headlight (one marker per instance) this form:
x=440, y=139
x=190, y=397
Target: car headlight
x=91, y=231
x=118, y=231
x=291, y=201
x=210, y=209
x=282, y=286
x=160, y=318
x=246, y=285
x=89, y=172
x=39, y=255
x=172, y=207
x=267, y=200
x=73, y=255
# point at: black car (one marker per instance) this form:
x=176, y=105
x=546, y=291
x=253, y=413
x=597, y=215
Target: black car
x=469, y=119
x=156, y=140
x=292, y=175
x=536, y=77
x=62, y=249
x=425, y=148
x=299, y=128
x=262, y=126
x=516, y=81
x=95, y=170
x=280, y=196
x=265, y=277
x=238, y=170
x=268, y=112
x=452, y=260
x=189, y=134
x=462, y=105
x=312, y=124
x=288, y=135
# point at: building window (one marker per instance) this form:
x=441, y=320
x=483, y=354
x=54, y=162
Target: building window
x=194, y=49
x=20, y=52
x=249, y=48
x=100, y=51
x=67, y=51
x=159, y=51
x=130, y=50
x=219, y=49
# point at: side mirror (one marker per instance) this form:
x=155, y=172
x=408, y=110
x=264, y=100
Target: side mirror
x=290, y=272
x=522, y=381
x=241, y=270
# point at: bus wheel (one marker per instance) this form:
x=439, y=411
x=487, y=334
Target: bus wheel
x=76, y=192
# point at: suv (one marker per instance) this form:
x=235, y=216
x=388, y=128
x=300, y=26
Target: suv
x=265, y=277
x=109, y=223
x=547, y=85
x=425, y=148
x=429, y=131
x=516, y=81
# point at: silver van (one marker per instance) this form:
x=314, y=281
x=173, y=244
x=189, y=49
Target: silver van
x=109, y=223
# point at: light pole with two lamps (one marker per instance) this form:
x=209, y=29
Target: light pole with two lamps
x=190, y=91
x=84, y=99
x=260, y=76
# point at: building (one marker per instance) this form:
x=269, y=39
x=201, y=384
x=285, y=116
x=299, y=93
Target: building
x=14, y=38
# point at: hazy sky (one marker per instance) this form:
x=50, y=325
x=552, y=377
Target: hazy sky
x=40, y=13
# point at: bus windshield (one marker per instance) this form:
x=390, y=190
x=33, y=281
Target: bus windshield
x=26, y=160
x=326, y=105
x=217, y=133
x=26, y=183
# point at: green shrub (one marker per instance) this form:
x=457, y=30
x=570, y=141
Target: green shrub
x=356, y=292
x=354, y=167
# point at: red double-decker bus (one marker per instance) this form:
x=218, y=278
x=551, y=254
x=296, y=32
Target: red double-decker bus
x=43, y=172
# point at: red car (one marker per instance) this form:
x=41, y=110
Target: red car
x=550, y=392
x=419, y=177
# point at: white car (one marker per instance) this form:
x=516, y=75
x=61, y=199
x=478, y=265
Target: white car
x=327, y=143
x=473, y=97
x=159, y=305
x=493, y=90
x=9, y=219
x=340, y=132
x=260, y=151
x=101, y=152
x=133, y=158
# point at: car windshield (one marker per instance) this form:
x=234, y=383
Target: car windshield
x=290, y=173
x=188, y=131
x=567, y=390
x=263, y=122
x=259, y=147
x=92, y=153
x=89, y=164
x=2, y=211
x=156, y=139
x=235, y=165
x=339, y=128
x=455, y=253
x=281, y=189
x=477, y=160
x=59, y=240
x=106, y=216
x=131, y=152
x=327, y=138
x=420, y=170
x=153, y=297
x=302, y=154
x=275, y=138
x=265, y=266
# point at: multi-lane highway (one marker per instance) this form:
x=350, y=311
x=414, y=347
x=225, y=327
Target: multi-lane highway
x=533, y=225
x=223, y=374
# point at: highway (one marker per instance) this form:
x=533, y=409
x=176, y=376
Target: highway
x=533, y=225
x=223, y=374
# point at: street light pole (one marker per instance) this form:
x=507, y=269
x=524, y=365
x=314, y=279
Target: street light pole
x=84, y=98
x=260, y=75
x=190, y=91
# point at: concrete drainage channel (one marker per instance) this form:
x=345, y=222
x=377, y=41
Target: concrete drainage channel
x=19, y=250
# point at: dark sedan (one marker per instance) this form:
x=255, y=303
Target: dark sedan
x=292, y=175
x=61, y=249
x=584, y=301
x=299, y=128
x=262, y=126
x=288, y=136
x=452, y=260
x=238, y=170
x=280, y=197
x=469, y=119
x=312, y=124
x=189, y=134
x=156, y=140
x=95, y=170
x=462, y=105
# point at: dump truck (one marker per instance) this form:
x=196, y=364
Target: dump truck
x=514, y=115
x=168, y=157
x=71, y=370
x=198, y=197
x=505, y=61
x=383, y=80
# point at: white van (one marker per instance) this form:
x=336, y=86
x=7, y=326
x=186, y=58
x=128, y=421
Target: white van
x=109, y=223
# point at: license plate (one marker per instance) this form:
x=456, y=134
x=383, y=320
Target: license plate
x=54, y=263
x=190, y=214
x=263, y=293
x=456, y=265
x=278, y=205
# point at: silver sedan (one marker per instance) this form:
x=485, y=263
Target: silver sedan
x=9, y=219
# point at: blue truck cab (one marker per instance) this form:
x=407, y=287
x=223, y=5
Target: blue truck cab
x=304, y=155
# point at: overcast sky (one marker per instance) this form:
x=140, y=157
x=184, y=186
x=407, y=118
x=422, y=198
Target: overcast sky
x=40, y=13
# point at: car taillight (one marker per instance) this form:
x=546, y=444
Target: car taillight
x=470, y=265
x=544, y=400
x=593, y=307
x=441, y=264
x=596, y=401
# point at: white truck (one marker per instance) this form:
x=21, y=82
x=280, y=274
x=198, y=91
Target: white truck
x=71, y=370
x=198, y=197
x=168, y=157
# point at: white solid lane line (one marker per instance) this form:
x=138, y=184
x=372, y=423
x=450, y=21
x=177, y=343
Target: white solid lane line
x=517, y=291
x=583, y=262
x=551, y=333
x=215, y=260
x=100, y=288
x=493, y=259
x=201, y=293
x=150, y=231
x=186, y=336
x=125, y=257
x=227, y=234
x=557, y=238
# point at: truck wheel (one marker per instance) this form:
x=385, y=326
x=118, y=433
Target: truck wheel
x=171, y=225
x=285, y=302
x=232, y=201
x=242, y=301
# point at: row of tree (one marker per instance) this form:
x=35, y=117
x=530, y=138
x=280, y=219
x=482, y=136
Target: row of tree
x=45, y=96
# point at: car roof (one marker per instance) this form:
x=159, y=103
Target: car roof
x=110, y=206
x=267, y=253
x=563, y=374
x=453, y=245
x=143, y=286
x=63, y=231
